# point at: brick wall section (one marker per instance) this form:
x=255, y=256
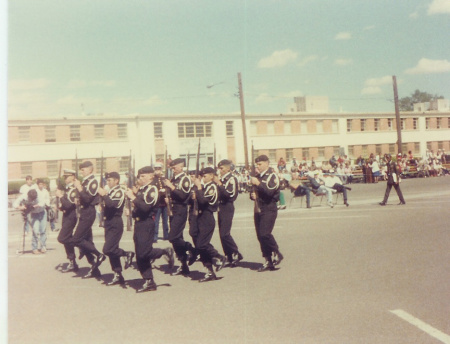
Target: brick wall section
x=295, y=127
x=37, y=134
x=356, y=125
x=111, y=131
x=280, y=153
x=328, y=152
x=87, y=133
x=231, y=149
x=370, y=124
x=327, y=126
x=159, y=147
x=13, y=170
x=63, y=133
x=298, y=153
x=279, y=127
x=261, y=128
x=311, y=126
x=13, y=135
x=313, y=153
x=39, y=169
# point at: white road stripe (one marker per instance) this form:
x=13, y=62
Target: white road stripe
x=444, y=338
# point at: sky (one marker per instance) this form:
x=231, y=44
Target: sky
x=159, y=57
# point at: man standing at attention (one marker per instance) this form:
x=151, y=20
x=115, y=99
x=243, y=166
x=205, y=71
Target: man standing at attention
x=266, y=194
x=393, y=180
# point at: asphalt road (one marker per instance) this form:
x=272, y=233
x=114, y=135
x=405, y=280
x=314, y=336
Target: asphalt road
x=362, y=274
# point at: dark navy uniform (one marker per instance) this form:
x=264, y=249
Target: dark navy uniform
x=69, y=220
x=114, y=202
x=268, y=196
x=82, y=238
x=228, y=193
x=180, y=196
x=393, y=176
x=144, y=229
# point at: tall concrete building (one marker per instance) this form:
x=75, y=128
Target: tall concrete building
x=310, y=104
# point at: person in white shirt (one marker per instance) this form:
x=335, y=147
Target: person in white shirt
x=332, y=181
x=24, y=191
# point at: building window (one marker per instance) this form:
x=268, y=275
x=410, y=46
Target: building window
x=427, y=123
x=98, y=165
x=26, y=169
x=402, y=123
x=124, y=164
x=378, y=149
x=404, y=148
x=351, y=151
x=439, y=122
x=390, y=123
x=76, y=164
x=363, y=125
x=50, y=133
x=349, y=125
x=158, y=130
x=74, y=133
x=391, y=148
x=415, y=123
x=289, y=154
x=24, y=134
x=334, y=126
x=416, y=147
x=191, y=129
x=364, y=149
x=122, y=130
x=321, y=152
x=440, y=144
x=305, y=153
x=230, y=128
x=429, y=145
x=99, y=131
x=272, y=155
x=376, y=124
x=52, y=168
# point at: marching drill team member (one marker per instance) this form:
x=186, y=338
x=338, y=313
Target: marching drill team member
x=180, y=189
x=393, y=180
x=88, y=198
x=228, y=192
x=145, y=201
x=207, y=195
x=267, y=195
x=112, y=215
x=68, y=200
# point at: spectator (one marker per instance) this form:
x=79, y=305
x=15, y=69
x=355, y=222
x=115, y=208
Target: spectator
x=373, y=164
x=281, y=164
x=319, y=188
x=24, y=191
x=333, y=182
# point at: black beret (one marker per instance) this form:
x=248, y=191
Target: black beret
x=114, y=175
x=208, y=170
x=86, y=163
x=224, y=162
x=145, y=170
x=262, y=158
x=192, y=172
x=176, y=162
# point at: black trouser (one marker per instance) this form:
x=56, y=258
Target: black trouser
x=82, y=238
x=225, y=219
x=177, y=224
x=264, y=223
x=341, y=188
x=206, y=224
x=303, y=191
x=388, y=190
x=69, y=221
x=144, y=233
x=113, y=234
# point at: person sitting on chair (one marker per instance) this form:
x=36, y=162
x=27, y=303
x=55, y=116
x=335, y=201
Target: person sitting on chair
x=333, y=182
x=302, y=190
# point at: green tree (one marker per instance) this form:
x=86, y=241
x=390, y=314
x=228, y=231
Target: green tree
x=407, y=103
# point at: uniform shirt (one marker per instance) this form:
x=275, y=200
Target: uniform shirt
x=114, y=201
x=228, y=191
x=68, y=201
x=182, y=191
x=145, y=202
x=159, y=183
x=208, y=197
x=269, y=187
x=89, y=195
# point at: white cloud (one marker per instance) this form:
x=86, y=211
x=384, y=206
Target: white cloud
x=370, y=27
x=439, y=7
x=371, y=90
x=385, y=80
x=304, y=61
x=278, y=58
x=414, y=15
x=263, y=98
x=343, y=62
x=28, y=84
x=427, y=66
x=343, y=36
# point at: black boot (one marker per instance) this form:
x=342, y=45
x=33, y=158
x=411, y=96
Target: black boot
x=149, y=285
x=268, y=265
x=118, y=279
x=221, y=261
x=168, y=252
x=182, y=270
x=100, y=259
x=192, y=256
x=236, y=258
x=93, y=272
x=73, y=266
x=278, y=258
x=210, y=275
x=129, y=259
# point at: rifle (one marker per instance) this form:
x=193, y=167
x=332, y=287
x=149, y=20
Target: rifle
x=187, y=166
x=197, y=167
x=101, y=224
x=77, y=197
x=214, y=158
x=254, y=188
x=57, y=187
x=167, y=191
x=130, y=185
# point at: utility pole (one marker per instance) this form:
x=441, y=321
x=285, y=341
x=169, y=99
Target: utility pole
x=244, y=128
x=397, y=115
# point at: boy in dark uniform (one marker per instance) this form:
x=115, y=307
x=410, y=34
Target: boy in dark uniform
x=266, y=194
x=145, y=202
x=393, y=175
x=114, y=201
